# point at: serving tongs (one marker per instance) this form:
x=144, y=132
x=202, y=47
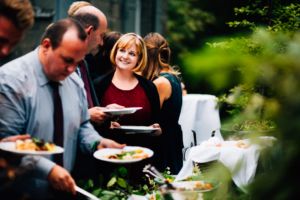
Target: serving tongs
x=82, y=191
x=169, y=186
x=167, y=195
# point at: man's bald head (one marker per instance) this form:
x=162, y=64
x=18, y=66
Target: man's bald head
x=94, y=22
x=75, y=6
x=89, y=16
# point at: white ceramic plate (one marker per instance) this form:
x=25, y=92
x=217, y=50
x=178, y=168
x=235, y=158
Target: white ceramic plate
x=11, y=147
x=110, y=151
x=190, y=185
x=122, y=111
x=136, y=129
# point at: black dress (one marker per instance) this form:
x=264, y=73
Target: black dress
x=171, y=138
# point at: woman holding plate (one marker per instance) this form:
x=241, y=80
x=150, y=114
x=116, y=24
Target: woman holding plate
x=168, y=85
x=126, y=88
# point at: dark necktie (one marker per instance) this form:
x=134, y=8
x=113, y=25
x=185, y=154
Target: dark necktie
x=86, y=83
x=58, y=119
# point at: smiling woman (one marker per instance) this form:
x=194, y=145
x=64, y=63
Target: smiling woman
x=126, y=88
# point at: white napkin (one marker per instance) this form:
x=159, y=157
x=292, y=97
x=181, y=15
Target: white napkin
x=240, y=162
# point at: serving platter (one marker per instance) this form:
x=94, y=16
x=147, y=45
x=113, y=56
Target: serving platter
x=110, y=151
x=136, y=129
x=122, y=111
x=11, y=147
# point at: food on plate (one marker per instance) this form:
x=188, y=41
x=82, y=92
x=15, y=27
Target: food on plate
x=239, y=144
x=170, y=180
x=34, y=145
x=128, y=155
x=197, y=186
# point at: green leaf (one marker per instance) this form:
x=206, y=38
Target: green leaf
x=97, y=192
x=123, y=171
x=157, y=197
x=80, y=183
x=114, y=174
x=111, y=182
x=108, y=195
x=121, y=182
x=106, y=192
x=138, y=193
x=130, y=188
x=89, y=184
x=100, y=179
x=145, y=187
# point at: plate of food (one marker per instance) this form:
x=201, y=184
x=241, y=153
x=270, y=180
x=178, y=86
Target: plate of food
x=128, y=154
x=171, y=178
x=137, y=129
x=187, y=189
x=31, y=147
x=190, y=186
x=122, y=111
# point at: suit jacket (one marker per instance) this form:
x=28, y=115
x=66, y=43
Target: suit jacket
x=92, y=90
x=94, y=68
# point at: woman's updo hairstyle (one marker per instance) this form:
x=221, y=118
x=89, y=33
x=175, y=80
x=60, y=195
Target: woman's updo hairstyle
x=158, y=56
x=126, y=41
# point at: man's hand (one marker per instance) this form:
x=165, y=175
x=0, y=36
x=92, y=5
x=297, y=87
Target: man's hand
x=107, y=143
x=15, y=137
x=97, y=116
x=60, y=179
x=156, y=132
x=114, y=124
x=114, y=106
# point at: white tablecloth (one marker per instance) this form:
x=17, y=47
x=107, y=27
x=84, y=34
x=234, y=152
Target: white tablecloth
x=199, y=113
x=240, y=161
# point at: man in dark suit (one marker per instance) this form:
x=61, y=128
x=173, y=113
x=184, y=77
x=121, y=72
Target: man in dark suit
x=95, y=23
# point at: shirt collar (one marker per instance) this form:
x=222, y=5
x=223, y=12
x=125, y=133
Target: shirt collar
x=39, y=69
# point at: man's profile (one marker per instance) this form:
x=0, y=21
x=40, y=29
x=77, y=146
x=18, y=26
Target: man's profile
x=16, y=16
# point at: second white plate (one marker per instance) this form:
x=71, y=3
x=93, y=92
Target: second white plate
x=110, y=151
x=122, y=111
x=137, y=129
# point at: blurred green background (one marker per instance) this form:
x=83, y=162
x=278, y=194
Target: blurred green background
x=258, y=56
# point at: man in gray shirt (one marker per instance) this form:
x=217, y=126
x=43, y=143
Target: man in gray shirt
x=41, y=96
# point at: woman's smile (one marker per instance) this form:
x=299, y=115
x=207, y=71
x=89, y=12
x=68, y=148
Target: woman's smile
x=127, y=58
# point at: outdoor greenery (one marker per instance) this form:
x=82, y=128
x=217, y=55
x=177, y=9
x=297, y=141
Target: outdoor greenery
x=284, y=22
x=182, y=30
x=118, y=187
x=265, y=67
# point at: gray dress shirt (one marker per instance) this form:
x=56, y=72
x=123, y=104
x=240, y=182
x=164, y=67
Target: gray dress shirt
x=26, y=107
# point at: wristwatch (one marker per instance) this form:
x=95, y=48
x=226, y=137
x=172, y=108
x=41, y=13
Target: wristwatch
x=95, y=145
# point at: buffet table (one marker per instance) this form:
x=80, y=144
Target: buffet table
x=199, y=113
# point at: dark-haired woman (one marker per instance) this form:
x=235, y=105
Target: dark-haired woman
x=102, y=57
x=168, y=85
